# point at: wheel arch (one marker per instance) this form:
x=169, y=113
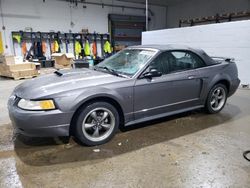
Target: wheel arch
x=219, y=79
x=224, y=82
x=107, y=99
x=208, y=107
x=214, y=82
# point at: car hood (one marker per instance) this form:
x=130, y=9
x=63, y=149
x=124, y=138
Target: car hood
x=47, y=85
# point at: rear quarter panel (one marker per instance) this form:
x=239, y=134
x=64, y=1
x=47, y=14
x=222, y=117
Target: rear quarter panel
x=215, y=73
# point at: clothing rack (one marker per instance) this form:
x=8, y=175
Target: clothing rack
x=60, y=37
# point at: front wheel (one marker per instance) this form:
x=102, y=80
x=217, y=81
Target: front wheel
x=97, y=123
x=217, y=98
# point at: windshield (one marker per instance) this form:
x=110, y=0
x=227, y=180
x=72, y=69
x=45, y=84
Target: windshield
x=127, y=61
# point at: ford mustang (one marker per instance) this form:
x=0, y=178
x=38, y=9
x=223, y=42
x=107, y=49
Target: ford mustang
x=137, y=84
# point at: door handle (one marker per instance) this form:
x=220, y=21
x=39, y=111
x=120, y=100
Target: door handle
x=191, y=77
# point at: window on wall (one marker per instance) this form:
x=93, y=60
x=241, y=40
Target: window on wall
x=175, y=61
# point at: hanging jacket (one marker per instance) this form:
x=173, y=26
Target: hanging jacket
x=78, y=48
x=87, y=48
x=24, y=48
x=53, y=47
x=56, y=46
x=94, y=49
x=38, y=49
x=1, y=44
x=107, y=47
x=17, y=37
x=44, y=48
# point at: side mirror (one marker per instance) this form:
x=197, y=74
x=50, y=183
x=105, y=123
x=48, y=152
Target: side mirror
x=153, y=72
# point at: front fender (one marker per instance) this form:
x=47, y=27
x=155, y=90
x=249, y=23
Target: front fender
x=95, y=93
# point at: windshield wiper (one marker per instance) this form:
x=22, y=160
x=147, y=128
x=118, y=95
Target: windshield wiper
x=112, y=71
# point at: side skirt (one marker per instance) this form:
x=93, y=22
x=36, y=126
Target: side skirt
x=162, y=115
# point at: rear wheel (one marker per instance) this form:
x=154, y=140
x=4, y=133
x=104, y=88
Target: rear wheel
x=217, y=98
x=96, y=123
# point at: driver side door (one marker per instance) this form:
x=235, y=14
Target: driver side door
x=174, y=90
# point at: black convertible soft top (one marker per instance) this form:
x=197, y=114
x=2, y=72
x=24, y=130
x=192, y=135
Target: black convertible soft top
x=208, y=60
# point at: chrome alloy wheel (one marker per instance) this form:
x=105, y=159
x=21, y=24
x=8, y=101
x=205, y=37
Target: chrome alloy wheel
x=218, y=98
x=98, y=124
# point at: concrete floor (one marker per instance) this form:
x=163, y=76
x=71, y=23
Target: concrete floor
x=193, y=149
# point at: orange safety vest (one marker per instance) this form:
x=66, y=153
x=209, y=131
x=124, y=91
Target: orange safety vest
x=24, y=48
x=44, y=47
x=52, y=47
x=94, y=49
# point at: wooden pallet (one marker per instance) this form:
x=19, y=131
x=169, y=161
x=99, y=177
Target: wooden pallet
x=25, y=77
x=19, y=78
x=18, y=75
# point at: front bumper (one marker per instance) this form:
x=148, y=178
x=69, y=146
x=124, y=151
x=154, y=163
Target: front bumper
x=39, y=123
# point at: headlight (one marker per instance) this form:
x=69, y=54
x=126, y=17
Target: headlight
x=36, y=105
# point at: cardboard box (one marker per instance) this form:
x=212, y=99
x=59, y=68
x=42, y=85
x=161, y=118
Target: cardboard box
x=63, y=58
x=57, y=66
x=20, y=74
x=27, y=73
x=18, y=71
x=23, y=66
x=7, y=59
x=18, y=60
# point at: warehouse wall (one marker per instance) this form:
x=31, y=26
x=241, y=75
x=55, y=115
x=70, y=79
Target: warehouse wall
x=229, y=39
x=55, y=15
x=201, y=8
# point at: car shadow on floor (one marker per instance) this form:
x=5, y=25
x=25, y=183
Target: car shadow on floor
x=51, y=151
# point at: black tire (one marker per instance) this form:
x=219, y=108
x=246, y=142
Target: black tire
x=209, y=107
x=83, y=134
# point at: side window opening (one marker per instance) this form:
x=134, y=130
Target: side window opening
x=198, y=61
x=160, y=63
x=185, y=60
x=176, y=61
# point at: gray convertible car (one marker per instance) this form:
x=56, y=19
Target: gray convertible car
x=137, y=84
